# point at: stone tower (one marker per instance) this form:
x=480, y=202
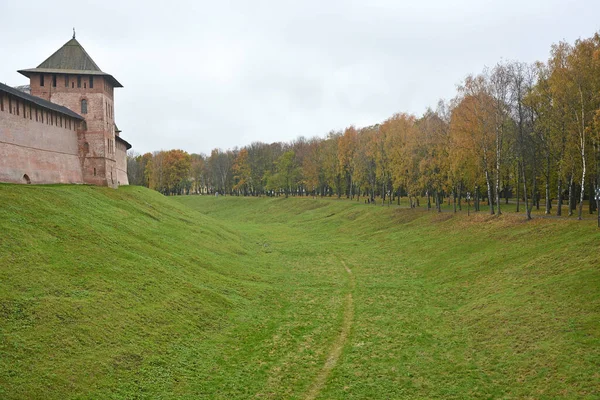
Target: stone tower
x=70, y=78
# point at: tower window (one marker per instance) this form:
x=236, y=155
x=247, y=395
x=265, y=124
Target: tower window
x=84, y=106
x=41, y=79
x=17, y=107
x=91, y=82
x=1, y=102
x=79, y=81
x=54, y=80
x=72, y=85
x=66, y=81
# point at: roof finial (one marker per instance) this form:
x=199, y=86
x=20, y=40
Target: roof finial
x=73, y=33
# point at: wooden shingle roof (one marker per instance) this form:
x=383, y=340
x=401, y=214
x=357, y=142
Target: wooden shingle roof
x=71, y=58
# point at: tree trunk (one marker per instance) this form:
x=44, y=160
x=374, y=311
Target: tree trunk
x=571, y=196
x=454, y=199
x=582, y=195
x=560, y=198
x=460, y=191
x=428, y=201
x=592, y=200
x=518, y=186
x=582, y=148
x=527, y=208
x=497, y=172
x=548, y=200
x=598, y=208
x=489, y=191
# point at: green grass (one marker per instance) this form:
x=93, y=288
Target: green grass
x=128, y=294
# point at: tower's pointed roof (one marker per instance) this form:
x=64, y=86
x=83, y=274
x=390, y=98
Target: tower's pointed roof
x=71, y=58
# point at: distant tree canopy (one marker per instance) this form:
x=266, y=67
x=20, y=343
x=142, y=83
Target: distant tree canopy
x=514, y=130
x=169, y=172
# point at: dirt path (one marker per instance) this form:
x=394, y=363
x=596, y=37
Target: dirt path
x=338, y=345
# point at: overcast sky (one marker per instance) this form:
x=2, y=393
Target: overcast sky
x=198, y=75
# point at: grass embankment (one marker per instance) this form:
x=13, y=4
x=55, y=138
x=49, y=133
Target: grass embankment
x=127, y=293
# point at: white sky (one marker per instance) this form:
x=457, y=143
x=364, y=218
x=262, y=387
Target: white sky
x=204, y=74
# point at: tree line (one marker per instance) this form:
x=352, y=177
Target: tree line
x=516, y=130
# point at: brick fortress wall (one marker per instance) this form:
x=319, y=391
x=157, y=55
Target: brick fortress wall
x=121, y=154
x=37, y=144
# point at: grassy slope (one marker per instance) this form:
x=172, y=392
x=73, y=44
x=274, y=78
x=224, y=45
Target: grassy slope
x=450, y=307
x=106, y=293
x=127, y=293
